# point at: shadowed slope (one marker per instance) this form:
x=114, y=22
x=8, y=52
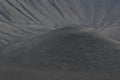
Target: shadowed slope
x=64, y=49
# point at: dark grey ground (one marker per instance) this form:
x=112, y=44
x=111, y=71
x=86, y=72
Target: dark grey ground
x=59, y=39
x=74, y=51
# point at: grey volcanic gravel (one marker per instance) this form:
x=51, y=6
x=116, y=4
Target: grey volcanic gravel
x=66, y=49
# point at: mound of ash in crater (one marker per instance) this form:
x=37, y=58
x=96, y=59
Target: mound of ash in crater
x=64, y=49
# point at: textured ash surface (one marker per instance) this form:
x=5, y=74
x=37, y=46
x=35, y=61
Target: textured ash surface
x=80, y=37
x=64, y=49
x=21, y=19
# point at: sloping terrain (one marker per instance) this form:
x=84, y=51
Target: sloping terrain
x=67, y=53
x=78, y=39
x=21, y=19
x=64, y=49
